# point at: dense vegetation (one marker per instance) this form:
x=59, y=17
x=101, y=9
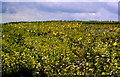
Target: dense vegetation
x=60, y=48
x=84, y=22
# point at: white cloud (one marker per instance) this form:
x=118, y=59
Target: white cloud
x=21, y=15
x=29, y=14
x=112, y=4
x=104, y=14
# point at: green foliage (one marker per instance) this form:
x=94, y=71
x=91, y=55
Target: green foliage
x=60, y=48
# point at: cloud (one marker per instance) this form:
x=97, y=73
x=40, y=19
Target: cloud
x=60, y=0
x=105, y=15
x=32, y=11
x=75, y=7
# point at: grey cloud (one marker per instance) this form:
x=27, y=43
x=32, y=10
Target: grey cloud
x=17, y=11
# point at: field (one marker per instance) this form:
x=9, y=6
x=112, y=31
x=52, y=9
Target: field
x=60, y=48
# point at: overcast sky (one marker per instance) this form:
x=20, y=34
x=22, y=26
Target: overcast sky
x=43, y=11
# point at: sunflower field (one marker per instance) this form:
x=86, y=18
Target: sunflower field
x=60, y=48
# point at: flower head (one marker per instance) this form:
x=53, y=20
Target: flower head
x=79, y=39
x=115, y=43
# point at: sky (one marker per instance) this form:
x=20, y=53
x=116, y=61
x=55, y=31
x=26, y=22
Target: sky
x=44, y=11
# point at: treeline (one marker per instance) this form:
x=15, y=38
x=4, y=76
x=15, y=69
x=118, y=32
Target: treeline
x=84, y=22
x=101, y=22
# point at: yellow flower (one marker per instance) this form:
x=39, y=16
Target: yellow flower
x=82, y=73
x=110, y=29
x=38, y=64
x=115, y=43
x=103, y=73
x=96, y=63
x=79, y=39
x=3, y=35
x=104, y=32
x=87, y=64
x=37, y=72
x=60, y=32
x=78, y=73
x=88, y=53
x=91, y=69
x=89, y=34
x=74, y=73
x=89, y=41
x=54, y=33
x=64, y=69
